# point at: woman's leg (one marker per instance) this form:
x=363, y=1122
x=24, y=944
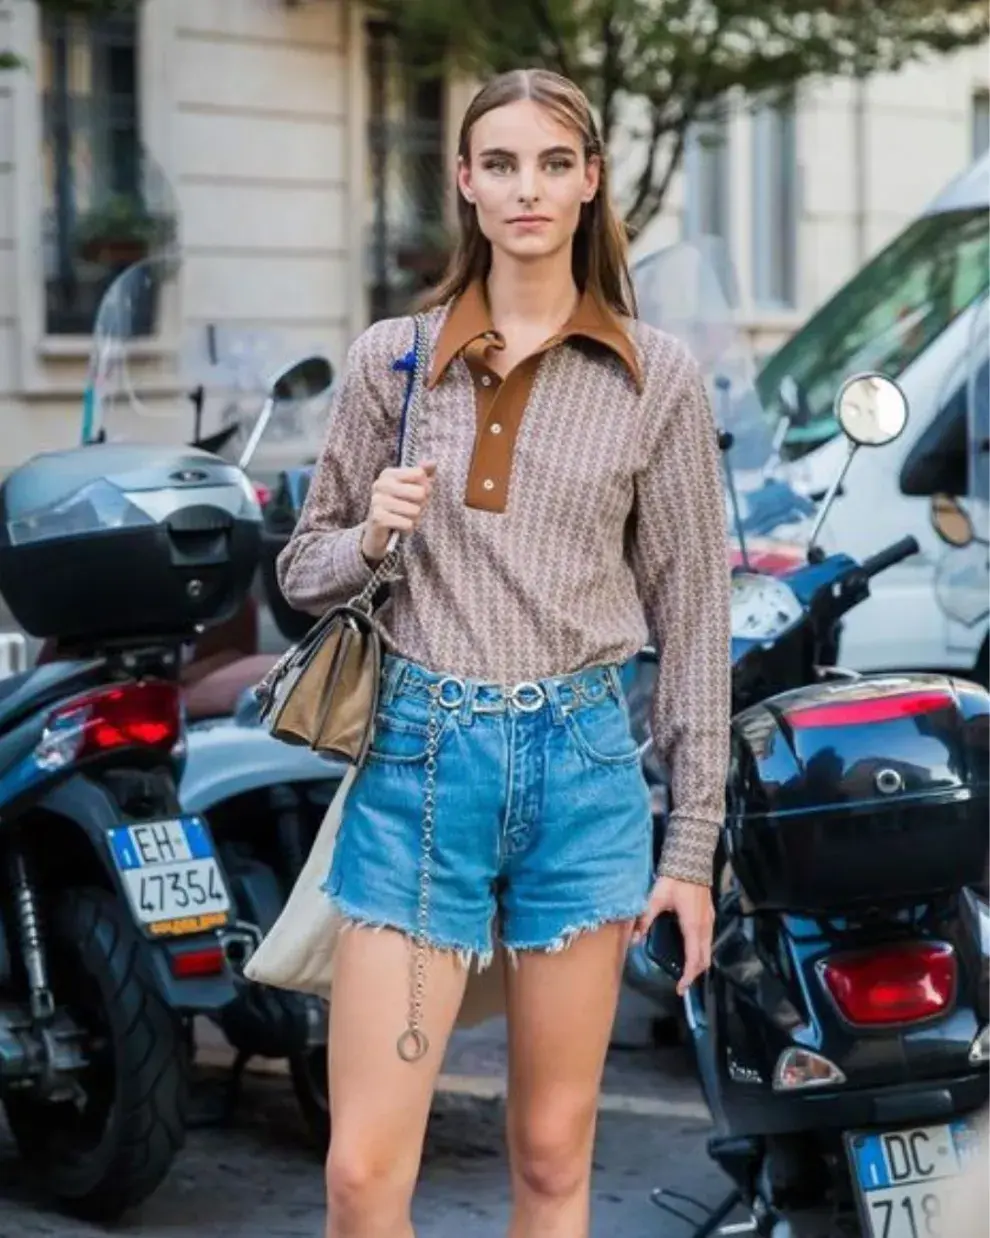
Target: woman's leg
x=379, y=1104
x=561, y=1007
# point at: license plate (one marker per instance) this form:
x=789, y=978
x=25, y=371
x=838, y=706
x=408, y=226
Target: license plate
x=171, y=875
x=908, y=1180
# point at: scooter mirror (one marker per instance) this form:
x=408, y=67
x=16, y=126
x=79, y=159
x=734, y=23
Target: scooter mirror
x=951, y=521
x=871, y=409
x=303, y=380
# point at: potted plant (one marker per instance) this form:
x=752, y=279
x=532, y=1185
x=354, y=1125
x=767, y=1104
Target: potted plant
x=119, y=232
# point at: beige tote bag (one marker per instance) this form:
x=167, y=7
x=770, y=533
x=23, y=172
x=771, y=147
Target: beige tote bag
x=297, y=952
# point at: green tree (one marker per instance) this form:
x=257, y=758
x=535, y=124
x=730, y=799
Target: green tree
x=653, y=67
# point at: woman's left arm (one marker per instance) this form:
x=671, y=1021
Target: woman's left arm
x=680, y=556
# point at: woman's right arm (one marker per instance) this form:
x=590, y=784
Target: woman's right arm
x=322, y=564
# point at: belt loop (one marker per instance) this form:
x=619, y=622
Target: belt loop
x=466, y=710
x=557, y=710
x=394, y=670
x=614, y=680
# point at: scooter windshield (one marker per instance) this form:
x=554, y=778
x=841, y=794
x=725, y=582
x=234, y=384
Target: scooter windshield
x=962, y=579
x=162, y=371
x=689, y=290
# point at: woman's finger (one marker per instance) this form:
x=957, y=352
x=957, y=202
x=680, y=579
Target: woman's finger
x=397, y=507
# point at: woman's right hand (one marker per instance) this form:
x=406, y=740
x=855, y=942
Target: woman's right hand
x=398, y=500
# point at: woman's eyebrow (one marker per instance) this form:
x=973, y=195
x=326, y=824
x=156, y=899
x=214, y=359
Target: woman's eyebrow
x=510, y=154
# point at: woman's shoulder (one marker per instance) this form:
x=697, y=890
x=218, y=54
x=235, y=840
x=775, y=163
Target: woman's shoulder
x=390, y=340
x=661, y=354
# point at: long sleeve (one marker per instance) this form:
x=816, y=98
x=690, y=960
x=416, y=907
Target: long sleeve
x=322, y=564
x=679, y=554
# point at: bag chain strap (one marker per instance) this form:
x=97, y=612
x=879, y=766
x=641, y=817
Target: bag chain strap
x=388, y=569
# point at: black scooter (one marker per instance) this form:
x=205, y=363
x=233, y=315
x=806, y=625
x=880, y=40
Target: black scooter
x=841, y=1033
x=111, y=897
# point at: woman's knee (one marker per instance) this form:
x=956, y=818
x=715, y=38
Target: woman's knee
x=365, y=1181
x=551, y=1152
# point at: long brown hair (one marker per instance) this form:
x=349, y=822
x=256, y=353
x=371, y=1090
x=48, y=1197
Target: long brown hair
x=600, y=263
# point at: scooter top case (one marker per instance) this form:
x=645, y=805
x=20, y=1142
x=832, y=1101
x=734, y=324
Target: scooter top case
x=123, y=540
x=849, y=793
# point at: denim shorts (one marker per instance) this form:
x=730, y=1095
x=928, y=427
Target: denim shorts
x=542, y=825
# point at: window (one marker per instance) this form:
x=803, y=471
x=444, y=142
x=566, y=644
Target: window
x=408, y=178
x=91, y=161
x=775, y=206
x=707, y=187
x=883, y=318
x=981, y=123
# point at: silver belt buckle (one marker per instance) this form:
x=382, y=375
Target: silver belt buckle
x=441, y=688
x=535, y=700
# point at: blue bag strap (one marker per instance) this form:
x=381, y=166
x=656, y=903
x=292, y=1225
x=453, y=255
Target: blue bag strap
x=407, y=363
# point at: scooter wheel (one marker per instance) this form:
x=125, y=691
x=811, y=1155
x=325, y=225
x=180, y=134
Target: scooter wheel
x=310, y=1074
x=103, y=1158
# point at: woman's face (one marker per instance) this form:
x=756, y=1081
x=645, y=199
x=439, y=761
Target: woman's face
x=527, y=178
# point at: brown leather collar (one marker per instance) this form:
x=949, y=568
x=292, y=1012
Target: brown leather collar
x=469, y=320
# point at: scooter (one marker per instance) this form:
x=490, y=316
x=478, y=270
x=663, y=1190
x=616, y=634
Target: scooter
x=841, y=1033
x=264, y=801
x=686, y=289
x=112, y=896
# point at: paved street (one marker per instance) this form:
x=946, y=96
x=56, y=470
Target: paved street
x=259, y=1179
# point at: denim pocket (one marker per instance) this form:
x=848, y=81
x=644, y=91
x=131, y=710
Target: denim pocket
x=603, y=733
x=402, y=731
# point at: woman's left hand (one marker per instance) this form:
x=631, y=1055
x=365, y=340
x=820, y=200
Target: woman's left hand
x=692, y=904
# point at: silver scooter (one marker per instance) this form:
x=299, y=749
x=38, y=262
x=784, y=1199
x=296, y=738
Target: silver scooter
x=264, y=801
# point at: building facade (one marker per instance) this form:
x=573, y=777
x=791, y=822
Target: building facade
x=275, y=145
x=803, y=195
x=304, y=177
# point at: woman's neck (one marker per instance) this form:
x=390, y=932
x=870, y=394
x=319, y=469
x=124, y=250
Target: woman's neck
x=539, y=294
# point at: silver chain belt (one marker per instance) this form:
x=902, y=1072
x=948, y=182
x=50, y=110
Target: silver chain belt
x=414, y=1043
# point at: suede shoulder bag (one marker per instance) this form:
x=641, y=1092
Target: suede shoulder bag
x=323, y=692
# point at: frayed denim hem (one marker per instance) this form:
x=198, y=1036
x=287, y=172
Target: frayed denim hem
x=571, y=932
x=352, y=917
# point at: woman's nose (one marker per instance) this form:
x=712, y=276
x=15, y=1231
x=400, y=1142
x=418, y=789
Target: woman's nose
x=528, y=185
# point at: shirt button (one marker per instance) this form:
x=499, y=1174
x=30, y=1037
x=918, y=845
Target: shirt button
x=488, y=484
x=486, y=380
x=496, y=428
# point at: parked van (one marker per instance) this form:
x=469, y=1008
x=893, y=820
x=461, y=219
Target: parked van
x=909, y=313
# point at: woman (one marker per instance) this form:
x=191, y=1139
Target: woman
x=566, y=506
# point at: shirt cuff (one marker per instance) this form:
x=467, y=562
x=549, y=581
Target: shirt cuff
x=351, y=570
x=689, y=849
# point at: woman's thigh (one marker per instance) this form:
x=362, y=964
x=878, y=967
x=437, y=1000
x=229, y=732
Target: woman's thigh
x=561, y=1007
x=379, y=1103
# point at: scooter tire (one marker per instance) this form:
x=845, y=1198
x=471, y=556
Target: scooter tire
x=97, y=965
x=309, y=1071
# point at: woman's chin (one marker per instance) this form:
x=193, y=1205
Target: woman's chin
x=532, y=248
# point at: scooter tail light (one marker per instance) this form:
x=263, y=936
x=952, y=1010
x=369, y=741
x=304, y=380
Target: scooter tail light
x=869, y=710
x=206, y=961
x=129, y=715
x=798, y=1069
x=898, y=984
x=979, y=1050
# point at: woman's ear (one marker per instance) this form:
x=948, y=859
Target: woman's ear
x=464, y=179
x=592, y=178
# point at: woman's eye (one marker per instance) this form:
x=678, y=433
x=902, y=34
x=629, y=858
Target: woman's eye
x=497, y=165
x=559, y=165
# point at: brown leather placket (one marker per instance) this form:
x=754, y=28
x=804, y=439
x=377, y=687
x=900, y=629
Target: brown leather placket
x=500, y=403
x=499, y=407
